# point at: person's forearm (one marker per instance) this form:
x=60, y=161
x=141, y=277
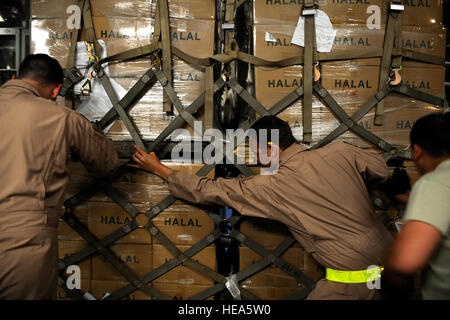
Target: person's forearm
x=162, y=171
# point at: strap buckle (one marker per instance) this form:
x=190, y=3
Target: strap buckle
x=395, y=77
x=74, y=75
x=316, y=72
x=155, y=61
x=396, y=6
x=87, y=91
x=308, y=12
x=308, y=8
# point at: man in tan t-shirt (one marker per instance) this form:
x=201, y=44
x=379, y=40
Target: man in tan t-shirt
x=320, y=195
x=37, y=138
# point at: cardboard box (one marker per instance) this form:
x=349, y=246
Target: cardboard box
x=137, y=257
x=193, y=9
x=350, y=83
x=67, y=248
x=416, y=13
x=400, y=111
x=267, y=233
x=63, y=295
x=183, y=224
x=273, y=42
x=107, y=217
x=272, y=84
x=181, y=274
x=100, y=288
x=192, y=36
x=400, y=115
x=160, y=188
x=48, y=9
x=288, y=11
x=369, y=12
x=271, y=276
x=115, y=8
x=422, y=12
x=180, y=292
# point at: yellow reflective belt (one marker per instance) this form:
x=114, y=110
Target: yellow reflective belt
x=359, y=276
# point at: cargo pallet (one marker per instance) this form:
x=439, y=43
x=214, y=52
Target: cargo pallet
x=160, y=52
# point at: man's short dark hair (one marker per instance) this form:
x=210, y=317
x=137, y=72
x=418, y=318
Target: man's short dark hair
x=272, y=122
x=432, y=134
x=41, y=68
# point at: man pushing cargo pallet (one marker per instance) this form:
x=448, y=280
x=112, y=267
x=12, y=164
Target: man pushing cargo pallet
x=319, y=194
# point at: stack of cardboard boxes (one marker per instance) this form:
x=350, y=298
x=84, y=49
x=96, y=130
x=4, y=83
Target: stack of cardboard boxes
x=273, y=283
x=124, y=25
x=359, y=25
x=184, y=225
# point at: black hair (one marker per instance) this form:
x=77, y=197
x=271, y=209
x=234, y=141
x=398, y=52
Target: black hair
x=41, y=68
x=286, y=139
x=432, y=134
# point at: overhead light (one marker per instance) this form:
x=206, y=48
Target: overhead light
x=433, y=21
x=1, y=18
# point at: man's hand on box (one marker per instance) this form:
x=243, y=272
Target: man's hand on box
x=150, y=162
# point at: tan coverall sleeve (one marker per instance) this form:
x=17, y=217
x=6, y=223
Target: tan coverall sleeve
x=250, y=196
x=372, y=166
x=94, y=150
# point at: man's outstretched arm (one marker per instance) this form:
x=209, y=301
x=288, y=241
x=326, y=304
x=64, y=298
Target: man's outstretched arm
x=250, y=196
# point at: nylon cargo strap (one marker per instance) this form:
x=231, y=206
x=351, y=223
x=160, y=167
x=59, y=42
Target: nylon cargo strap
x=142, y=85
x=106, y=83
x=170, y=93
x=392, y=33
x=209, y=98
x=419, y=95
x=72, y=74
x=308, y=13
x=166, y=50
x=337, y=110
x=370, y=103
x=227, y=57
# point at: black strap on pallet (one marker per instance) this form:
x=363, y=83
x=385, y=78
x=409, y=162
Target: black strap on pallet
x=392, y=33
x=308, y=13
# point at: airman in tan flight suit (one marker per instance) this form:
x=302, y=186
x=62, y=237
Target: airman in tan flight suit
x=37, y=138
x=320, y=195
